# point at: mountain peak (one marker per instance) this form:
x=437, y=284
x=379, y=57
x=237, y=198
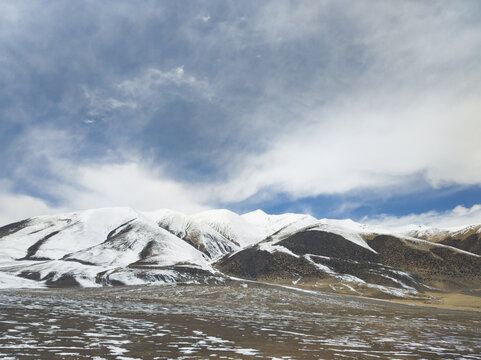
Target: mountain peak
x=120, y=245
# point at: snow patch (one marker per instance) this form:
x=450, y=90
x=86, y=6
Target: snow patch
x=265, y=246
x=9, y=281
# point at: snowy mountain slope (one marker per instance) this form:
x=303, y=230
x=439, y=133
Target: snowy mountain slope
x=9, y=281
x=421, y=232
x=232, y=226
x=51, y=237
x=348, y=229
x=195, y=232
x=138, y=241
x=121, y=245
x=56, y=273
x=467, y=238
x=357, y=256
x=82, y=248
x=278, y=224
x=249, y=228
x=114, y=246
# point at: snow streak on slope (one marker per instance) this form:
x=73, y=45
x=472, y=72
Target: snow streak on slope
x=279, y=224
x=9, y=281
x=122, y=246
x=140, y=241
x=84, y=248
x=233, y=226
x=348, y=229
x=104, y=246
x=357, y=257
x=195, y=232
x=52, y=237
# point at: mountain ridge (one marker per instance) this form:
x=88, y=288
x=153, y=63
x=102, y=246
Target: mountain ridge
x=122, y=246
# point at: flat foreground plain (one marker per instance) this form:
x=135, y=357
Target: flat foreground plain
x=235, y=321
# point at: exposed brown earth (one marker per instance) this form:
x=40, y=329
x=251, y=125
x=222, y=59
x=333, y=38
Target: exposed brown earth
x=471, y=243
x=468, y=239
x=442, y=300
x=398, y=263
x=430, y=262
x=256, y=264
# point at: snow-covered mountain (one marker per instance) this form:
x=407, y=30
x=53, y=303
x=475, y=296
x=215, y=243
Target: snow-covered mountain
x=114, y=246
x=121, y=245
x=92, y=247
x=353, y=258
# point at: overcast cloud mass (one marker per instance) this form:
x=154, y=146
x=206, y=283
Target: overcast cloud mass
x=362, y=109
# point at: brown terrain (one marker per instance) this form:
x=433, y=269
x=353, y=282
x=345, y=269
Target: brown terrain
x=306, y=294
x=238, y=320
x=423, y=272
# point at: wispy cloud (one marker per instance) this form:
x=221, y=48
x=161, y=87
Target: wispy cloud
x=134, y=184
x=146, y=92
x=144, y=84
x=458, y=217
x=49, y=169
x=131, y=184
x=369, y=148
x=405, y=105
x=240, y=100
x=14, y=206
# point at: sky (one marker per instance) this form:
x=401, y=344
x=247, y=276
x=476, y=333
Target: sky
x=369, y=110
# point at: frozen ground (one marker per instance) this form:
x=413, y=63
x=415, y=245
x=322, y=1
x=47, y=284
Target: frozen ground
x=236, y=321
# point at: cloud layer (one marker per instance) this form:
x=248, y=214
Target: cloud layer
x=455, y=218
x=213, y=104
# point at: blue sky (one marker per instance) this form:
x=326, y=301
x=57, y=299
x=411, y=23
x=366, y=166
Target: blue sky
x=366, y=109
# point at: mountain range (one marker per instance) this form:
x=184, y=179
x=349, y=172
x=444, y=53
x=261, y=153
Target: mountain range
x=121, y=246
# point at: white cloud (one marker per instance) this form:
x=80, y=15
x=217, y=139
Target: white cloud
x=99, y=103
x=369, y=148
x=141, y=185
x=127, y=184
x=392, y=93
x=46, y=162
x=14, y=207
x=145, y=83
x=458, y=217
x=145, y=93
x=114, y=104
x=410, y=107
